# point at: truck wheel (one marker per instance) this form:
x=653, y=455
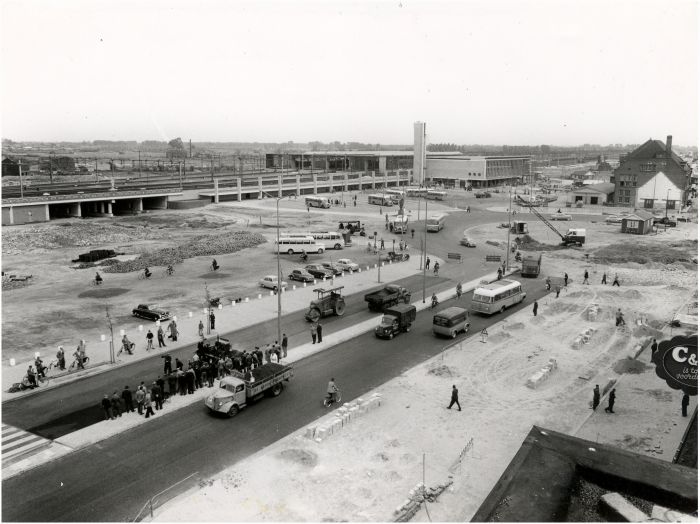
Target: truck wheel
x=454, y=334
x=340, y=308
x=503, y=309
x=391, y=335
x=338, y=246
x=276, y=390
x=233, y=411
x=320, y=251
x=466, y=328
x=290, y=251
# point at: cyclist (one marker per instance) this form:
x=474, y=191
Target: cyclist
x=433, y=301
x=304, y=257
x=40, y=368
x=332, y=390
x=214, y=265
x=126, y=345
x=31, y=377
x=436, y=268
x=146, y=273
x=98, y=278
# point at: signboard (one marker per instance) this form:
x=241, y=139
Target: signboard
x=676, y=362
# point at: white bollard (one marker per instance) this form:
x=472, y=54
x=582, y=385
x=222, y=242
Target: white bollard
x=158, y=323
x=140, y=327
x=233, y=303
x=304, y=284
x=375, y=266
x=272, y=292
x=359, y=270
x=389, y=262
x=12, y=362
x=103, y=337
x=368, y=267
x=221, y=306
x=174, y=318
x=37, y=354
x=382, y=264
x=294, y=286
x=314, y=281
x=205, y=311
x=259, y=296
x=247, y=299
x=323, y=279
x=189, y=314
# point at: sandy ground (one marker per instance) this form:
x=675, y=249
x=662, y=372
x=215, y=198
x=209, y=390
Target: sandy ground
x=367, y=470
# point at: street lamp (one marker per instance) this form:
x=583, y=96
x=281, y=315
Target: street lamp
x=425, y=243
x=667, y=193
x=279, y=272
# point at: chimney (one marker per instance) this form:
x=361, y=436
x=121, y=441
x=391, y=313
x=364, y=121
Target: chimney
x=669, y=140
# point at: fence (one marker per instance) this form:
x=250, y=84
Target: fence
x=154, y=501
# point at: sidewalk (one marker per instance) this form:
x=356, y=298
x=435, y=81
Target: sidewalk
x=109, y=428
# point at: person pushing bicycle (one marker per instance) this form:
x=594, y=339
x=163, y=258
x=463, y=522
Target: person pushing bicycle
x=332, y=390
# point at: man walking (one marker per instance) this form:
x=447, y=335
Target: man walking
x=319, y=332
x=427, y=263
x=61, y=358
x=455, y=398
x=654, y=347
x=140, y=397
x=684, y=404
x=611, y=402
x=566, y=279
x=585, y=277
x=596, y=396
x=605, y=279
x=313, y=333
x=381, y=243
x=284, y=345
x=616, y=281
x=148, y=407
x=201, y=328
x=618, y=318
x=413, y=233
x=149, y=340
x=107, y=406
x=157, y=396
x=116, y=404
x=161, y=337
x=534, y=308
x=558, y=291
x=128, y=400
x=168, y=364
x=212, y=320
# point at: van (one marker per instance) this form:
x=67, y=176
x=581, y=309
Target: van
x=451, y=321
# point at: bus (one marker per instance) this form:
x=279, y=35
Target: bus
x=395, y=194
x=332, y=238
x=292, y=245
x=436, y=222
x=318, y=201
x=398, y=224
x=497, y=296
x=380, y=200
x=434, y=194
x=416, y=192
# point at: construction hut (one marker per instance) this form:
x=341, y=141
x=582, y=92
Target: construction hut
x=638, y=223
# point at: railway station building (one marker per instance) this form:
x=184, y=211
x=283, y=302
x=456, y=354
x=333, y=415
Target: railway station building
x=461, y=171
x=381, y=162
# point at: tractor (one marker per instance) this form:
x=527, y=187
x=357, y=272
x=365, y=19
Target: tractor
x=328, y=302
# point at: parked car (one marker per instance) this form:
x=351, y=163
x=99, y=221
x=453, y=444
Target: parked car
x=483, y=194
x=466, y=241
x=150, y=312
x=335, y=268
x=301, y=275
x=615, y=219
x=559, y=216
x=683, y=218
x=270, y=282
x=665, y=221
x=318, y=271
x=348, y=265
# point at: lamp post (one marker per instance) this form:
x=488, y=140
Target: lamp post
x=510, y=201
x=667, y=193
x=425, y=244
x=279, y=273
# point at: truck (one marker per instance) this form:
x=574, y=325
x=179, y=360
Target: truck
x=328, y=302
x=395, y=320
x=386, y=297
x=237, y=390
x=531, y=265
x=575, y=236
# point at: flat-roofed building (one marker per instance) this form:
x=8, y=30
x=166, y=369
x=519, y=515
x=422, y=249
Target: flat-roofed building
x=459, y=171
x=330, y=161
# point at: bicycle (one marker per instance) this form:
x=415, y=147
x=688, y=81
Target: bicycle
x=168, y=272
x=143, y=276
x=328, y=401
x=95, y=282
x=74, y=364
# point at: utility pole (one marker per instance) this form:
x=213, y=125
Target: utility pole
x=21, y=185
x=510, y=200
x=425, y=244
x=139, y=163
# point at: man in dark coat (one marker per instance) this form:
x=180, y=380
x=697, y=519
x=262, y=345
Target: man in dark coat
x=178, y=364
x=611, y=402
x=684, y=404
x=319, y=332
x=566, y=279
x=168, y=364
x=161, y=386
x=116, y=404
x=455, y=398
x=596, y=396
x=128, y=400
x=534, y=308
x=107, y=406
x=190, y=381
x=654, y=347
x=212, y=320
x=157, y=396
x=172, y=384
x=181, y=382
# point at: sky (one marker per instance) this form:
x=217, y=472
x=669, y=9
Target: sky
x=518, y=72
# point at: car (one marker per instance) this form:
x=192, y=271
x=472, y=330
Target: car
x=348, y=265
x=335, y=268
x=318, y=271
x=466, y=241
x=483, y=194
x=665, y=221
x=301, y=275
x=150, y=312
x=270, y=282
x=559, y=216
x=615, y=219
x=683, y=218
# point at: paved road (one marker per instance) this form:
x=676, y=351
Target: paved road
x=112, y=480
x=67, y=408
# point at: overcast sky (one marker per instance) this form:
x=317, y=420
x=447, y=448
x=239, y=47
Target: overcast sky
x=492, y=72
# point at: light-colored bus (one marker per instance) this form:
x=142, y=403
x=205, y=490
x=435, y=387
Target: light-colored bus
x=331, y=238
x=380, y=200
x=318, y=201
x=451, y=321
x=395, y=194
x=436, y=222
x=497, y=296
x=416, y=192
x=434, y=194
x=292, y=245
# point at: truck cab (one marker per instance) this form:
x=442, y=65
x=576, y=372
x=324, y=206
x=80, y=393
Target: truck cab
x=395, y=320
x=229, y=397
x=575, y=236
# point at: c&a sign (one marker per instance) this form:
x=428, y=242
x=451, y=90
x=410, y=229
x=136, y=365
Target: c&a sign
x=677, y=363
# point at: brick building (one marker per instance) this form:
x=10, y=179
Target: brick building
x=642, y=167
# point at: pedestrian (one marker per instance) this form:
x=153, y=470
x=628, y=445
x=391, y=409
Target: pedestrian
x=534, y=308
x=127, y=345
x=427, y=263
x=204, y=374
x=161, y=337
x=284, y=345
x=319, y=332
x=596, y=396
x=436, y=268
x=190, y=376
x=455, y=398
x=616, y=281
x=161, y=385
x=548, y=284
x=172, y=384
x=605, y=279
x=314, y=333
x=654, y=347
x=116, y=404
x=128, y=400
x=469, y=209
x=585, y=277
x=268, y=351
x=107, y=406
x=140, y=397
x=149, y=340
x=484, y=335
x=619, y=318
x=168, y=364
x=178, y=364
x=148, y=407
x=381, y=243
x=413, y=233
x=611, y=402
x=212, y=320
x=558, y=290
x=684, y=404
x=499, y=274
x=201, y=328
x=157, y=396
x=181, y=382
x=566, y=279
x=61, y=358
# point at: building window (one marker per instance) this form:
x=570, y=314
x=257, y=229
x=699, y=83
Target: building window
x=619, y=199
x=648, y=203
x=632, y=224
x=647, y=167
x=670, y=204
x=622, y=184
x=627, y=200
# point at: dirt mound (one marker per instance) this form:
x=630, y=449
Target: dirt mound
x=629, y=365
x=641, y=253
x=440, y=371
x=300, y=456
x=103, y=292
x=527, y=243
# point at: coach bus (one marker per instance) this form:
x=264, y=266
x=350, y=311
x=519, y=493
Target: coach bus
x=380, y=200
x=318, y=201
x=416, y=192
x=434, y=194
x=395, y=194
x=332, y=238
x=292, y=245
x=497, y=296
x=436, y=222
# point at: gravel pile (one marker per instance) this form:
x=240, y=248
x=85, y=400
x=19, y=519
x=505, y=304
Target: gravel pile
x=209, y=245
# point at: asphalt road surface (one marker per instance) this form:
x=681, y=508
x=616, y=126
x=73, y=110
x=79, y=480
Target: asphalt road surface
x=112, y=480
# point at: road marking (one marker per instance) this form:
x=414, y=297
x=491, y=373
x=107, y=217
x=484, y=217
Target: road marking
x=17, y=442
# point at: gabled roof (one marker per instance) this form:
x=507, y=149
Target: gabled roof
x=649, y=148
x=639, y=215
x=604, y=187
